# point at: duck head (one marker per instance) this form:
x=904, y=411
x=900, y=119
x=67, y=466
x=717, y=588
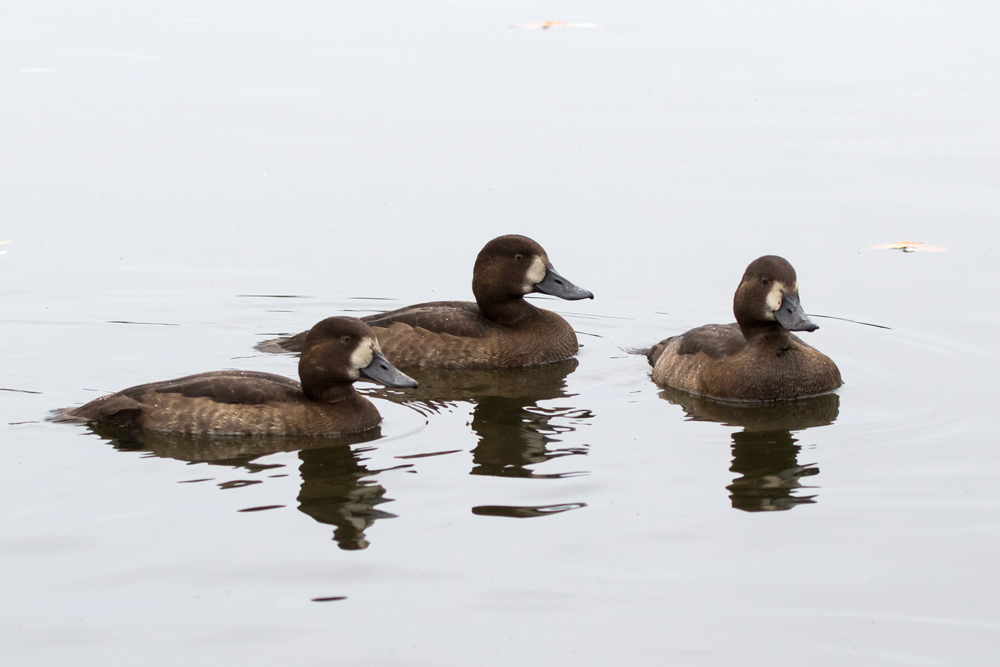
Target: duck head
x=768, y=298
x=337, y=352
x=508, y=267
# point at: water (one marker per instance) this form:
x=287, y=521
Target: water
x=185, y=180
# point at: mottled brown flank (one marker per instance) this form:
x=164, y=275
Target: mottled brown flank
x=227, y=402
x=500, y=330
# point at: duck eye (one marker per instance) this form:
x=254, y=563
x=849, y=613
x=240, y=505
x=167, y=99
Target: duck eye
x=765, y=281
x=345, y=338
x=519, y=257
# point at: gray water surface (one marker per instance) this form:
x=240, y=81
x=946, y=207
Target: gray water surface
x=183, y=180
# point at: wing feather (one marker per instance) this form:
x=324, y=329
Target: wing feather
x=241, y=387
x=716, y=341
x=457, y=318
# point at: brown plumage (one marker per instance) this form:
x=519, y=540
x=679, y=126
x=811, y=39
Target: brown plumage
x=757, y=358
x=500, y=330
x=337, y=351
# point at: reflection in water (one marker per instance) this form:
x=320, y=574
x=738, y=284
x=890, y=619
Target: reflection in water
x=764, y=452
x=514, y=432
x=526, y=512
x=337, y=489
x=768, y=462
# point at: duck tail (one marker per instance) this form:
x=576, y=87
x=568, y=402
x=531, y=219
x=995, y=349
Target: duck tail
x=654, y=352
x=282, y=345
x=651, y=353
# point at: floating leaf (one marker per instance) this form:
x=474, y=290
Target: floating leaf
x=908, y=246
x=545, y=25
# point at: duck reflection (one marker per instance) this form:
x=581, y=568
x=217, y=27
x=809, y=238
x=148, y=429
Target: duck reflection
x=765, y=454
x=514, y=432
x=337, y=488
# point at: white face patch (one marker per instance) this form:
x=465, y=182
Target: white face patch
x=362, y=356
x=774, y=298
x=534, y=274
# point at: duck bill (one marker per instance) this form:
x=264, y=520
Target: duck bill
x=555, y=285
x=791, y=316
x=381, y=371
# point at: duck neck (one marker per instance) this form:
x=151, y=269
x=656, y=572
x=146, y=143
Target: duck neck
x=329, y=393
x=508, y=312
x=769, y=334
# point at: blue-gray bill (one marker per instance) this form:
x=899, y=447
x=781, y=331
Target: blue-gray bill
x=555, y=285
x=381, y=371
x=791, y=316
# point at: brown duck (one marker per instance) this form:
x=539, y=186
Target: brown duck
x=757, y=358
x=336, y=352
x=500, y=330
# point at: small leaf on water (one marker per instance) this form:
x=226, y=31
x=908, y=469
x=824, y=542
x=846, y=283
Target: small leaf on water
x=545, y=25
x=908, y=246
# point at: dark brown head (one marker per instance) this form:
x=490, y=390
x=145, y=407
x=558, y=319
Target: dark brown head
x=340, y=350
x=508, y=267
x=767, y=299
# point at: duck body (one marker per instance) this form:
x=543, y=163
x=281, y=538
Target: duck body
x=716, y=360
x=337, y=352
x=757, y=358
x=499, y=330
x=454, y=335
x=228, y=402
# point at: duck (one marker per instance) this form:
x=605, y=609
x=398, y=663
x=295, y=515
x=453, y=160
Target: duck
x=499, y=330
x=757, y=358
x=336, y=352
